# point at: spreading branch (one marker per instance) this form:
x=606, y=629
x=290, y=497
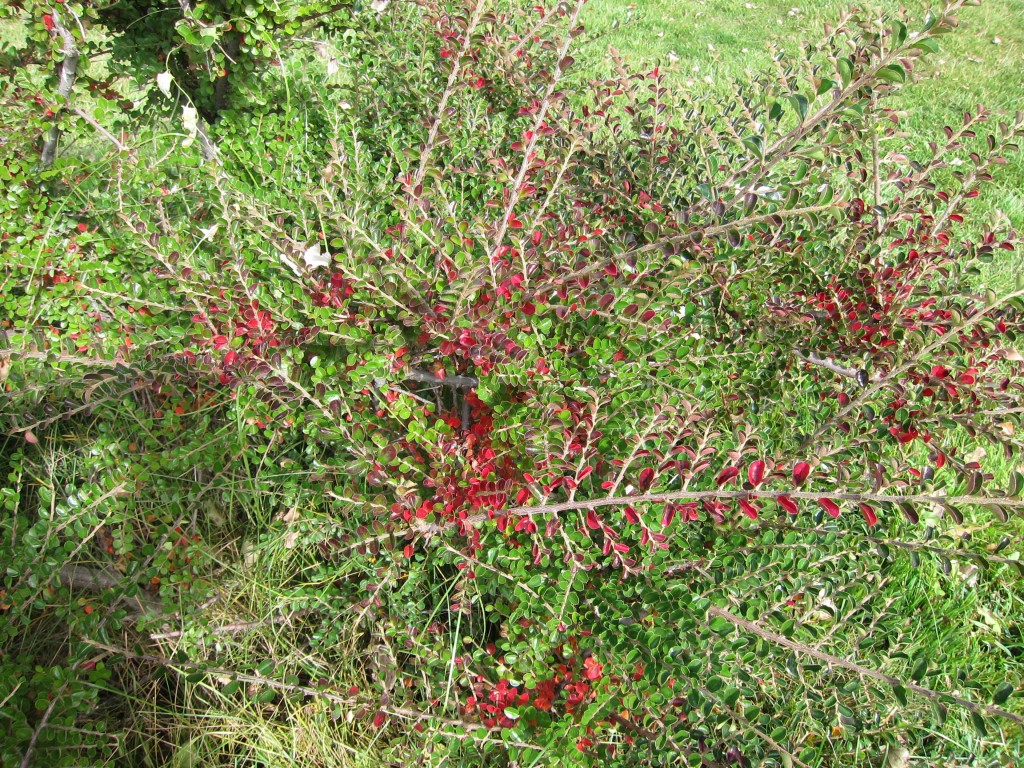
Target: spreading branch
x=781, y=640
x=432, y=529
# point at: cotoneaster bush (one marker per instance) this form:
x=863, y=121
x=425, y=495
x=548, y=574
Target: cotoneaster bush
x=597, y=422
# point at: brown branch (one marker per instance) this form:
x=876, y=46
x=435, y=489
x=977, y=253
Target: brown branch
x=835, y=661
x=661, y=498
x=746, y=221
x=449, y=88
x=535, y=133
x=306, y=690
x=828, y=364
x=100, y=129
x=229, y=629
x=26, y=759
x=80, y=577
x=66, y=71
x=656, y=498
x=455, y=382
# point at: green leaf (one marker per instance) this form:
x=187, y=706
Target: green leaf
x=919, y=669
x=800, y=104
x=893, y=73
x=927, y=44
x=265, y=696
x=979, y=724
x=731, y=696
x=845, y=71
x=900, y=693
x=1002, y=693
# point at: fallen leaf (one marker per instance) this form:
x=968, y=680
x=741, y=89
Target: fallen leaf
x=163, y=82
x=315, y=257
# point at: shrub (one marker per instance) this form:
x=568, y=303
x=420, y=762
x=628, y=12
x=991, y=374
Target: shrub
x=598, y=421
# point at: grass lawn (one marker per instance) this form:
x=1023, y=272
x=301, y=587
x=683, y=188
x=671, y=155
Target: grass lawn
x=706, y=42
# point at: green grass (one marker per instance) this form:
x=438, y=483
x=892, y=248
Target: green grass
x=704, y=43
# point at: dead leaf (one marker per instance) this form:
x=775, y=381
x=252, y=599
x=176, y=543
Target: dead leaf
x=315, y=257
x=897, y=757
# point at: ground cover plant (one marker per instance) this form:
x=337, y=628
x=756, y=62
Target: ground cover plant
x=378, y=388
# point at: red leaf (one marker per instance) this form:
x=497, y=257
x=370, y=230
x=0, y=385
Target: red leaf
x=668, y=515
x=755, y=472
x=645, y=479
x=869, y=515
x=30, y=437
x=800, y=472
x=829, y=506
x=748, y=509
x=787, y=504
x=727, y=474
x=592, y=522
x=522, y=496
x=631, y=515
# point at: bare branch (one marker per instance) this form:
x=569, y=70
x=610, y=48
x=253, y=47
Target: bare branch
x=829, y=364
x=455, y=382
x=754, y=628
x=66, y=71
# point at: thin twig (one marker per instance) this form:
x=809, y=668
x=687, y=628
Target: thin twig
x=100, y=129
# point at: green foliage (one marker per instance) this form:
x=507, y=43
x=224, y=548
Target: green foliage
x=461, y=415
